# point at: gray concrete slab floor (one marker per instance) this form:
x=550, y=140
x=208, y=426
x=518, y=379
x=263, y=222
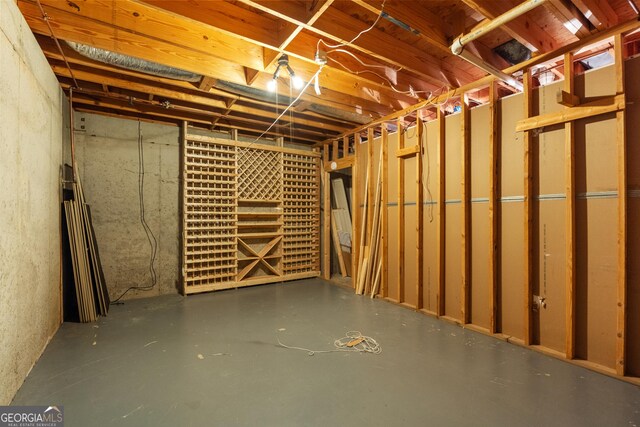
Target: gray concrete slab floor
x=214, y=360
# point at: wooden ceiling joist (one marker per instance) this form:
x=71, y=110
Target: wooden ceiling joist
x=242, y=23
x=569, y=15
x=336, y=26
x=339, y=102
x=191, y=53
x=113, y=79
x=160, y=112
x=177, y=110
x=523, y=29
x=599, y=12
x=400, y=58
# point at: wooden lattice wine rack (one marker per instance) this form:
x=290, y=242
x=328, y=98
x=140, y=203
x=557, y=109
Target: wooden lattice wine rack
x=250, y=214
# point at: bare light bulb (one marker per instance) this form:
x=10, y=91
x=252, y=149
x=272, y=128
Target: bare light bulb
x=272, y=85
x=297, y=82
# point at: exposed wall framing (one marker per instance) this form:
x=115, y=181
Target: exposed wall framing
x=530, y=237
x=250, y=214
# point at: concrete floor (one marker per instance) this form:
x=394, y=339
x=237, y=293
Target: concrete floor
x=213, y=360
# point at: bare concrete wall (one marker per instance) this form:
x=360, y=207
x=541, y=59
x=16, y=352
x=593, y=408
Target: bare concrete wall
x=107, y=157
x=31, y=135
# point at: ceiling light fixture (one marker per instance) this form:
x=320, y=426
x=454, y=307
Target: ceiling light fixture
x=283, y=62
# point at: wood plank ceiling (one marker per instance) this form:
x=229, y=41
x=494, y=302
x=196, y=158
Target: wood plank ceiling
x=233, y=46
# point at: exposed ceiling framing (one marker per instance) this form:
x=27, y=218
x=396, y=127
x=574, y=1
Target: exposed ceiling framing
x=401, y=60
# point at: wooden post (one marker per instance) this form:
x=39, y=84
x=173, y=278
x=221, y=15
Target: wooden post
x=345, y=146
x=419, y=215
x=494, y=207
x=356, y=212
x=326, y=226
x=336, y=150
x=385, y=215
x=621, y=138
x=570, y=215
x=441, y=212
x=370, y=198
x=326, y=215
x=465, y=181
x=183, y=198
x=528, y=212
x=400, y=161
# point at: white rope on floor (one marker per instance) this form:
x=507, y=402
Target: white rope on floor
x=352, y=341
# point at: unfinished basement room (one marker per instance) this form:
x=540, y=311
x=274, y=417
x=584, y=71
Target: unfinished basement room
x=319, y=213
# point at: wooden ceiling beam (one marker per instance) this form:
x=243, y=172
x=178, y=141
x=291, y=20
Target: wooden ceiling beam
x=304, y=45
x=50, y=50
x=198, y=117
x=523, y=29
x=599, y=12
x=291, y=30
x=91, y=109
x=155, y=24
x=150, y=118
x=428, y=26
x=119, y=39
x=68, y=27
x=623, y=28
x=569, y=15
x=205, y=83
x=230, y=18
x=337, y=26
x=175, y=94
x=301, y=49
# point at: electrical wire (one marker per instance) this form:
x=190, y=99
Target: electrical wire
x=357, y=35
x=291, y=114
x=352, y=342
x=288, y=107
x=46, y=18
x=426, y=182
x=153, y=242
x=384, y=67
x=391, y=84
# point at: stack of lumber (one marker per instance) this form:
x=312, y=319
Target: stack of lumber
x=90, y=288
x=370, y=260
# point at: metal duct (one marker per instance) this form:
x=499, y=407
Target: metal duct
x=133, y=64
x=153, y=68
x=265, y=96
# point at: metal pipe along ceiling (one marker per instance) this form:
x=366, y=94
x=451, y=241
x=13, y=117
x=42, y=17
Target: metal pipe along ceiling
x=457, y=47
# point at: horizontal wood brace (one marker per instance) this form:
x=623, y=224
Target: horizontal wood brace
x=407, y=151
x=605, y=105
